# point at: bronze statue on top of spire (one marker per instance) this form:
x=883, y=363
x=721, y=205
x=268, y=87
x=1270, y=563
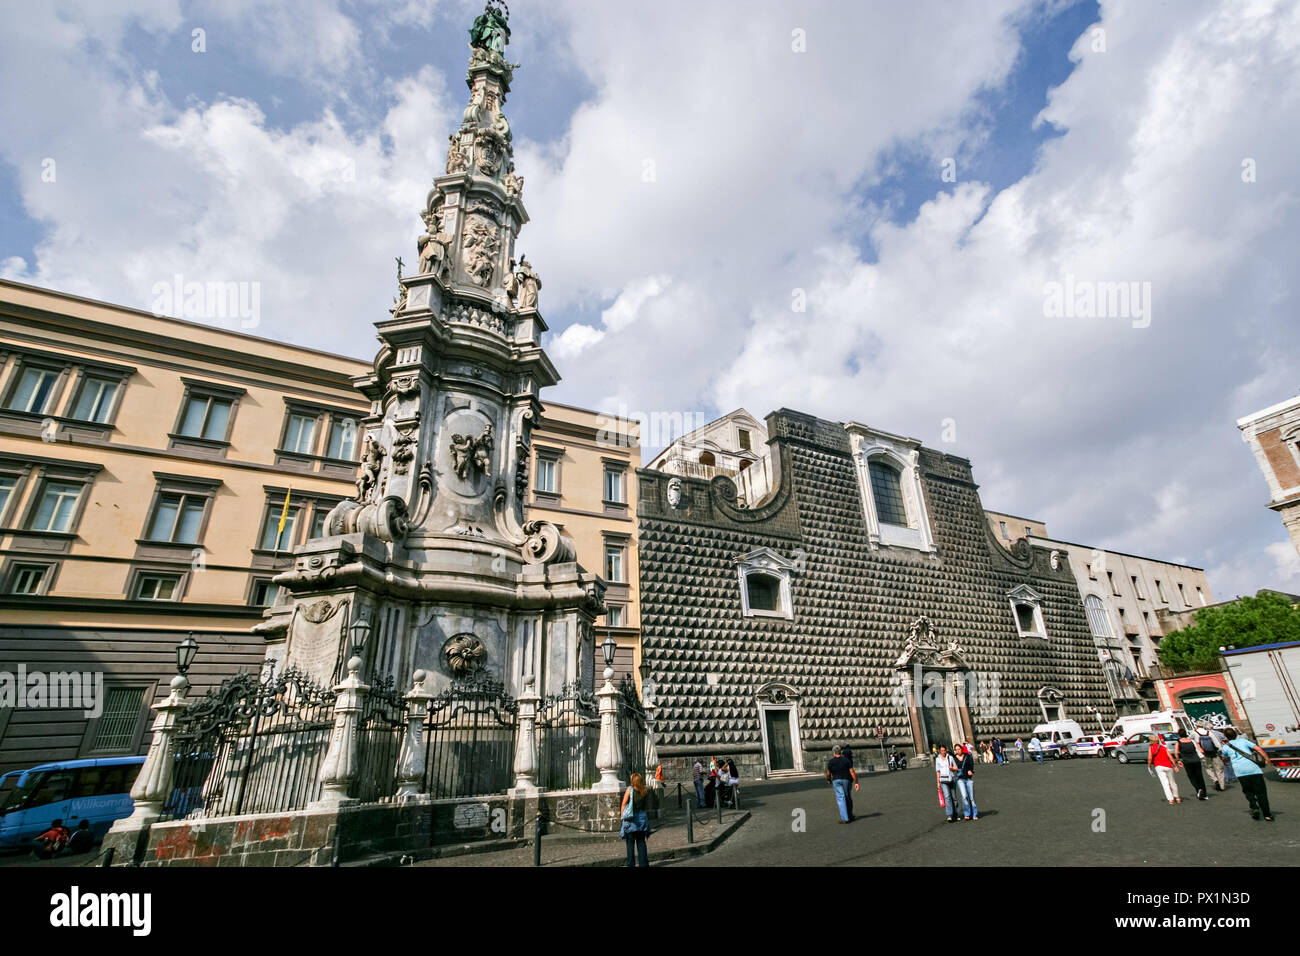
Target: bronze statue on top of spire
x=491, y=31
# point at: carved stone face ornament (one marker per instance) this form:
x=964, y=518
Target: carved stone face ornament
x=674, y=492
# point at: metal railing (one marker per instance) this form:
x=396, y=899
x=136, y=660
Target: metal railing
x=470, y=734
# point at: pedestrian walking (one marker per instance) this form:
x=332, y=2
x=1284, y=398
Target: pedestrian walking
x=841, y=774
x=636, y=821
x=1189, y=755
x=1248, y=763
x=966, y=784
x=1211, y=759
x=1036, y=749
x=733, y=781
x=1161, y=765
x=945, y=775
x=698, y=771
x=1020, y=746
x=847, y=753
x=999, y=751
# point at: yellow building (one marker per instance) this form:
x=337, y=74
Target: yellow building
x=145, y=463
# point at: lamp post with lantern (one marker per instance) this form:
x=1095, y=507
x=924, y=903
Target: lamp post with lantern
x=609, y=753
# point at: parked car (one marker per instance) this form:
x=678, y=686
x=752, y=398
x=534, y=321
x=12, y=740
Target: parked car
x=1093, y=745
x=1135, y=747
x=97, y=790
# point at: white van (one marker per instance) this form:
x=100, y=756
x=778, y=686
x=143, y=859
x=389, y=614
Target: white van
x=1058, y=737
x=1160, y=722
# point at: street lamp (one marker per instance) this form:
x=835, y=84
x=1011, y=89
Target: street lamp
x=608, y=647
x=185, y=652
x=359, y=631
x=644, y=671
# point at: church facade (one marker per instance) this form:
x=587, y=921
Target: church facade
x=863, y=599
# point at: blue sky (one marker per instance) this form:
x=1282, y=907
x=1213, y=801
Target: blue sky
x=297, y=149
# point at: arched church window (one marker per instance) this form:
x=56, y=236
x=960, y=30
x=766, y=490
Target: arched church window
x=706, y=458
x=887, y=490
x=1098, y=623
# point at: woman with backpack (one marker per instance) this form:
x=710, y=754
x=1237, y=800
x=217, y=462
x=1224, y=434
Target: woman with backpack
x=1189, y=755
x=636, y=821
x=1248, y=763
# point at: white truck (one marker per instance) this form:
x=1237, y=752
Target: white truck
x=1267, y=680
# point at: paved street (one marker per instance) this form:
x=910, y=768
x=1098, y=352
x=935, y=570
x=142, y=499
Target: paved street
x=1030, y=815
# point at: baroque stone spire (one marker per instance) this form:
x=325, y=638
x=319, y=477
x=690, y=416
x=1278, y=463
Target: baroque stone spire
x=436, y=530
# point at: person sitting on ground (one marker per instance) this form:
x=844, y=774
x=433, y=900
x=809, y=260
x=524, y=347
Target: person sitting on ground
x=82, y=839
x=52, y=841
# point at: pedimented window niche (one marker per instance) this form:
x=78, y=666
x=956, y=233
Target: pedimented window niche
x=1027, y=606
x=889, y=481
x=765, y=584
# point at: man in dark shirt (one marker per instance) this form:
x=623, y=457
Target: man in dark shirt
x=839, y=772
x=847, y=753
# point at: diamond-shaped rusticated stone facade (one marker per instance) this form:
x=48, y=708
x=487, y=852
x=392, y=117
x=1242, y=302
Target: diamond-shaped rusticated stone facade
x=852, y=606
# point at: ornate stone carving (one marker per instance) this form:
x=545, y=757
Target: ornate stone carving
x=432, y=244
x=922, y=644
x=399, y=300
x=403, y=449
x=511, y=282
x=464, y=654
x=514, y=184
x=405, y=386
x=674, y=492
x=529, y=285
x=482, y=244
x=522, y=453
x=548, y=544
x=457, y=158
x=491, y=31
x=320, y=611
x=489, y=150
x=468, y=453
x=371, y=463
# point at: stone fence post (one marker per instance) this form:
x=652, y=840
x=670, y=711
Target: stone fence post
x=609, y=753
x=153, y=786
x=340, y=763
x=526, y=742
x=410, y=763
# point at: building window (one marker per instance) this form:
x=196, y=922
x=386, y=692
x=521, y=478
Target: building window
x=1098, y=623
x=1001, y=524
x=7, y=486
x=887, y=491
x=1137, y=589
x=706, y=458
x=744, y=440
x=118, y=726
x=58, y=507
x=614, y=615
x=1027, y=606
x=29, y=579
x=343, y=440
x=764, y=591
x=300, y=434
x=1091, y=576
x=1160, y=592
x=157, y=587
x=95, y=401
x=318, y=516
x=765, y=577
x=1199, y=593
x=35, y=390
x=1028, y=531
x=1114, y=588
x=614, y=486
x=1182, y=596
x=178, y=519
x=206, y=416
x=277, y=538
x=615, y=560
x=548, y=476
x=265, y=593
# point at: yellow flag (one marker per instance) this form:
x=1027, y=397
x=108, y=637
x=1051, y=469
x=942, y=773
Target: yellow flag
x=284, y=517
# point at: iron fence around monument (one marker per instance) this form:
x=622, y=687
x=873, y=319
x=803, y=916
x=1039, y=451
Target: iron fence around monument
x=380, y=729
x=568, y=733
x=251, y=745
x=633, y=736
x=470, y=740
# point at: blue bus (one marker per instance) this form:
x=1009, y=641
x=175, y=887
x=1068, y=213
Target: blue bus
x=98, y=790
